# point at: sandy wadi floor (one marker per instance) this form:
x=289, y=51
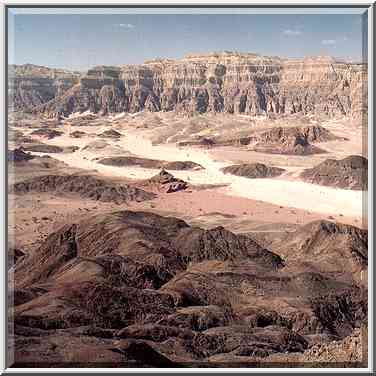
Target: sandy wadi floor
x=285, y=190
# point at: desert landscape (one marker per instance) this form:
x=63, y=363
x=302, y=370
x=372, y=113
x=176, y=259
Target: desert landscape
x=209, y=211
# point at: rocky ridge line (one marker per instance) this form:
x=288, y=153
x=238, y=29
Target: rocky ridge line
x=227, y=82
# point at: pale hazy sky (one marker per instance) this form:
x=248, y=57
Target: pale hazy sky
x=78, y=41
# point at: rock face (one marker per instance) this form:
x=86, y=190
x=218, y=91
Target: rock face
x=14, y=254
x=166, y=181
x=31, y=85
x=253, y=170
x=348, y=173
x=228, y=82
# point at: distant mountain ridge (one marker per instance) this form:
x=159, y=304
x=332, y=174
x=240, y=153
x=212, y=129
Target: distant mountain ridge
x=230, y=82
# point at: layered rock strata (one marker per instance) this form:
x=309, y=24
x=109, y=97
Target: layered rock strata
x=230, y=82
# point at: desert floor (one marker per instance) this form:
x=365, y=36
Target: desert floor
x=238, y=203
x=266, y=210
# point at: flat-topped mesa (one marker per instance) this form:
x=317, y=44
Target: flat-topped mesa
x=324, y=85
x=230, y=82
x=33, y=71
x=220, y=55
x=159, y=62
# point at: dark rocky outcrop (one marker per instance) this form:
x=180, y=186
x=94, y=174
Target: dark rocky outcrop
x=111, y=133
x=220, y=244
x=96, y=277
x=14, y=254
x=147, y=290
x=173, y=240
x=167, y=182
x=124, y=161
x=43, y=148
x=18, y=155
x=328, y=246
x=142, y=354
x=297, y=146
x=260, y=342
x=292, y=140
x=311, y=134
x=46, y=133
x=154, y=332
x=86, y=186
x=77, y=134
x=348, y=173
x=332, y=309
x=24, y=295
x=199, y=318
x=253, y=170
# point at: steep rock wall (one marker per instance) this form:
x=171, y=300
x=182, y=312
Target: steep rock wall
x=220, y=82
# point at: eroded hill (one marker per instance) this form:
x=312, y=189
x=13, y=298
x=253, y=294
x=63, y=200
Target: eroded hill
x=148, y=290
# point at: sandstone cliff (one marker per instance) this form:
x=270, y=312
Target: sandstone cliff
x=240, y=83
x=32, y=85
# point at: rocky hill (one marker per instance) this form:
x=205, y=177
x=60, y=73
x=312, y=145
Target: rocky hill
x=348, y=173
x=228, y=82
x=123, y=161
x=253, y=170
x=146, y=290
x=85, y=186
x=330, y=247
